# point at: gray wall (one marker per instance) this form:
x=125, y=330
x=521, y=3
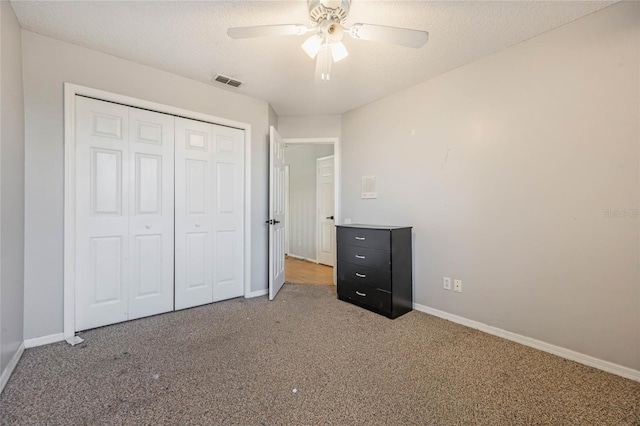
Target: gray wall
x=12, y=187
x=310, y=126
x=301, y=160
x=48, y=63
x=506, y=168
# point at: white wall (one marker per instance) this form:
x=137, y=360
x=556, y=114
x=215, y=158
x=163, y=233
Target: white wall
x=12, y=187
x=514, y=162
x=310, y=126
x=48, y=63
x=301, y=160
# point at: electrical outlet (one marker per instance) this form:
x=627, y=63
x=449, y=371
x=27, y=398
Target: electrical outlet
x=347, y=221
x=457, y=286
x=446, y=283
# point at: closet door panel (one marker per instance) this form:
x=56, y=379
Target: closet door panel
x=193, y=213
x=228, y=213
x=151, y=212
x=159, y=213
x=102, y=204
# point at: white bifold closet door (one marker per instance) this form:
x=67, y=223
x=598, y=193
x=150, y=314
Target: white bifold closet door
x=209, y=212
x=124, y=213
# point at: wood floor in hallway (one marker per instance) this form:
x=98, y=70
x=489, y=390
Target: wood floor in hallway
x=299, y=271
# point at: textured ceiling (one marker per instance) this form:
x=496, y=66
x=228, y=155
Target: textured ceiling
x=189, y=38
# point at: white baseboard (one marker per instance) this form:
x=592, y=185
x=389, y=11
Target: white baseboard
x=11, y=366
x=257, y=293
x=600, y=364
x=295, y=256
x=44, y=340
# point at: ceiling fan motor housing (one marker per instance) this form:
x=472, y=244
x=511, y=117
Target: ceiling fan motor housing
x=332, y=10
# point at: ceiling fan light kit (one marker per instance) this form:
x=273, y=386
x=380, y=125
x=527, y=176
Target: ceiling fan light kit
x=328, y=18
x=326, y=47
x=312, y=45
x=338, y=51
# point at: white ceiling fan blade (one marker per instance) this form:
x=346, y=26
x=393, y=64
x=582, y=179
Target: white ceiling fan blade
x=393, y=35
x=267, y=31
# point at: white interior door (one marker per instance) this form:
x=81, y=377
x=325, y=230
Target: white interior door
x=151, y=164
x=326, y=210
x=228, y=213
x=193, y=210
x=102, y=210
x=276, y=213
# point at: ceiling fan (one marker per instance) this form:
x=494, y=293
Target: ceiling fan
x=327, y=25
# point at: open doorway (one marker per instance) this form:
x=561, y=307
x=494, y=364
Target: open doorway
x=311, y=186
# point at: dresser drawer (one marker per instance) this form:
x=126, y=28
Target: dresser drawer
x=365, y=256
x=363, y=294
x=364, y=275
x=362, y=237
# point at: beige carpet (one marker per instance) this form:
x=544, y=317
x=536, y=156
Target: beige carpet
x=239, y=362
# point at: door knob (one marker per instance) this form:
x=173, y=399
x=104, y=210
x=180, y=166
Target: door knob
x=330, y=217
x=148, y=226
x=197, y=225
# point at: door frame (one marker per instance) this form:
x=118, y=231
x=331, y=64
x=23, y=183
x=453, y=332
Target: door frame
x=70, y=93
x=337, y=176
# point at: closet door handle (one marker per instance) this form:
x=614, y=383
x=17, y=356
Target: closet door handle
x=361, y=275
x=148, y=226
x=197, y=225
x=360, y=256
x=361, y=294
x=360, y=238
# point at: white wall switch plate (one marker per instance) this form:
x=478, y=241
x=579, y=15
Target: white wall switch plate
x=446, y=283
x=347, y=221
x=457, y=286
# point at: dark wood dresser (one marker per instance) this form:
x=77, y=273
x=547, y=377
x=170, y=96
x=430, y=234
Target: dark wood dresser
x=374, y=268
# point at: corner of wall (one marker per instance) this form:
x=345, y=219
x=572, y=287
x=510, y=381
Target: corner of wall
x=11, y=192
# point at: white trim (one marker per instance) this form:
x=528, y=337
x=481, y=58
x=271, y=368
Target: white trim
x=337, y=175
x=70, y=92
x=44, y=340
x=69, y=277
x=257, y=293
x=6, y=374
x=247, y=210
x=581, y=358
x=295, y=256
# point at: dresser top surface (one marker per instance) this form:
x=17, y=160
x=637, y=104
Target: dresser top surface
x=363, y=226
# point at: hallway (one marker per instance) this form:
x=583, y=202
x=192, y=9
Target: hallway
x=299, y=271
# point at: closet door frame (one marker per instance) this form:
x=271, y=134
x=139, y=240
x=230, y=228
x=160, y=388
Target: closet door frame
x=70, y=93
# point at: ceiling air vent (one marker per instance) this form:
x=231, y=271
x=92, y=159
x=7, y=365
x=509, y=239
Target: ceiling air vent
x=227, y=80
